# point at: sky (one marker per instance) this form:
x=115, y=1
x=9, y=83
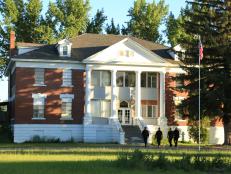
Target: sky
x=117, y=9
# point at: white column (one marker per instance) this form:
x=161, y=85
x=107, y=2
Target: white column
x=113, y=95
x=87, y=116
x=162, y=118
x=138, y=95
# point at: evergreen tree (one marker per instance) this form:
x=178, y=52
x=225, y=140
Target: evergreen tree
x=96, y=23
x=145, y=19
x=210, y=20
x=112, y=29
x=175, y=29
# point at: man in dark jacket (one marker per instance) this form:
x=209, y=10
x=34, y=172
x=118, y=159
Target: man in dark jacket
x=145, y=135
x=159, y=136
x=176, y=135
x=170, y=136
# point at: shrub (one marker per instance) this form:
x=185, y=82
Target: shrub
x=194, y=134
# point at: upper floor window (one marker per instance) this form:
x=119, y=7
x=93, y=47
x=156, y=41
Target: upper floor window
x=101, y=78
x=148, y=79
x=67, y=77
x=38, y=106
x=65, y=49
x=39, y=76
x=126, y=79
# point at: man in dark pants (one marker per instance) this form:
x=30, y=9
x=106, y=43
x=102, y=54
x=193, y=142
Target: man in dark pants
x=176, y=135
x=170, y=136
x=159, y=136
x=145, y=135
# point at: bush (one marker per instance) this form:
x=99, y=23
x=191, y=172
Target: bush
x=194, y=134
x=43, y=139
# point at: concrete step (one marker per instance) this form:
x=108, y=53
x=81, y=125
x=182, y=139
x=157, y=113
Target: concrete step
x=132, y=134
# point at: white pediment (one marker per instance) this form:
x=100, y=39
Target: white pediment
x=127, y=52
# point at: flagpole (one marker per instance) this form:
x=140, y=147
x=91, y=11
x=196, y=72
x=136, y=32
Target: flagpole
x=199, y=109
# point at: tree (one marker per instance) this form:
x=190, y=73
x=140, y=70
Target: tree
x=96, y=23
x=64, y=18
x=23, y=18
x=69, y=17
x=112, y=29
x=175, y=29
x=145, y=19
x=210, y=20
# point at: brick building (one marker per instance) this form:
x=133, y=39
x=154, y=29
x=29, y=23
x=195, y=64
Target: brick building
x=88, y=87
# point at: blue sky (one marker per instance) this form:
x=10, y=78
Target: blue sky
x=116, y=9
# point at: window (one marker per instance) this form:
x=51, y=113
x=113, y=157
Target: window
x=38, y=106
x=127, y=53
x=101, y=78
x=149, y=111
x=65, y=49
x=148, y=79
x=101, y=108
x=66, y=106
x=67, y=77
x=39, y=76
x=177, y=101
x=125, y=79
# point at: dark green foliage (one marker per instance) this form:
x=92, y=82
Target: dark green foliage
x=112, y=29
x=145, y=19
x=187, y=162
x=175, y=29
x=64, y=18
x=96, y=23
x=210, y=20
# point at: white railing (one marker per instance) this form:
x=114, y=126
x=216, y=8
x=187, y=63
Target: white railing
x=119, y=131
x=141, y=124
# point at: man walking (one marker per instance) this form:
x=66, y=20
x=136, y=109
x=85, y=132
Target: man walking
x=145, y=135
x=170, y=137
x=176, y=135
x=159, y=136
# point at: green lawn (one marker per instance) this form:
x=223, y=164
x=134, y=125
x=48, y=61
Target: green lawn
x=84, y=159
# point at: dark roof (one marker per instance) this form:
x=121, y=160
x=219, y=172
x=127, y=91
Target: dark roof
x=86, y=45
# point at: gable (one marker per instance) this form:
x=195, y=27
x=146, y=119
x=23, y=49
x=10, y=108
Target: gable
x=127, y=52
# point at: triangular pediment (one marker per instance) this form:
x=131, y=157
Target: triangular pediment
x=127, y=52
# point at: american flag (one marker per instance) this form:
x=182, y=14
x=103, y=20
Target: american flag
x=200, y=50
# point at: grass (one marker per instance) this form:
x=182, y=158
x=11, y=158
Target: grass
x=85, y=159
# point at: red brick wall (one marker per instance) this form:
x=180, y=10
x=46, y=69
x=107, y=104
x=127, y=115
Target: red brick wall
x=169, y=94
x=53, y=89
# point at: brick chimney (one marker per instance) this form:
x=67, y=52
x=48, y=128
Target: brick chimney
x=12, y=43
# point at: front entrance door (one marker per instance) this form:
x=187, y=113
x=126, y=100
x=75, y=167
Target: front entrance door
x=124, y=116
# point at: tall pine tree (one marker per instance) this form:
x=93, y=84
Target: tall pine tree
x=96, y=23
x=210, y=20
x=112, y=29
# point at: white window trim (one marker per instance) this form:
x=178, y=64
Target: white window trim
x=101, y=77
x=39, y=84
x=67, y=98
x=101, y=106
x=124, y=80
x=146, y=114
x=42, y=97
x=146, y=84
x=65, y=84
x=60, y=46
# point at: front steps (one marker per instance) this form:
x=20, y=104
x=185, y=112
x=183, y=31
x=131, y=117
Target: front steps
x=132, y=134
